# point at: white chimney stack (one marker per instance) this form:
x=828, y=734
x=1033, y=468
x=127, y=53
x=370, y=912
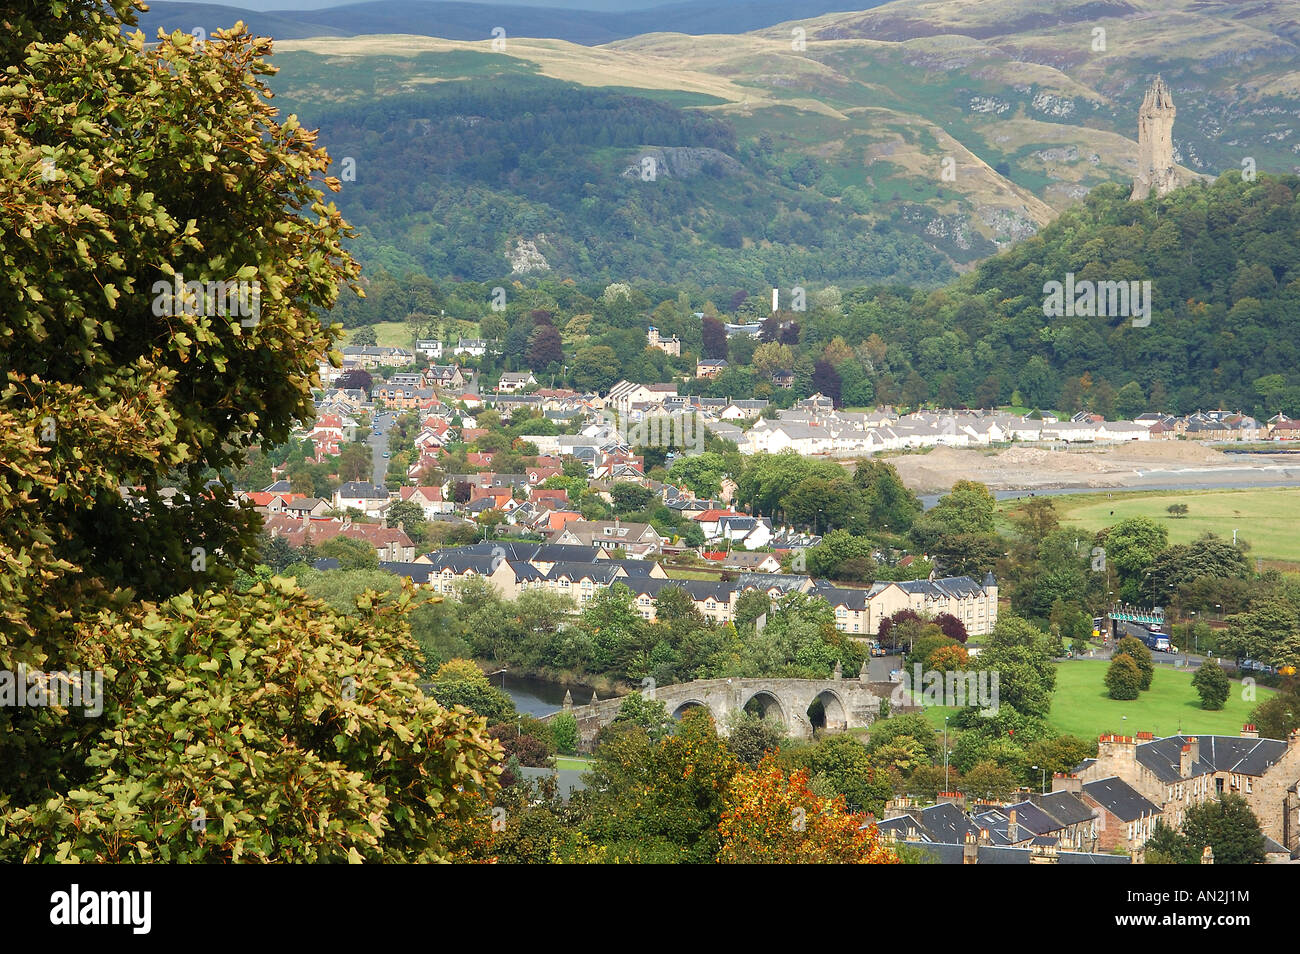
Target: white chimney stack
x=776, y=293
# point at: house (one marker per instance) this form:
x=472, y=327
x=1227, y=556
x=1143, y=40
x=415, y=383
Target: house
x=635, y=539
x=742, y=410
x=474, y=347
x=709, y=367
x=1126, y=818
x=446, y=376
x=374, y=357
x=744, y=560
x=514, y=381
x=672, y=346
x=749, y=532
x=1179, y=771
x=430, y=348
x=308, y=507
x=429, y=499
x=360, y=495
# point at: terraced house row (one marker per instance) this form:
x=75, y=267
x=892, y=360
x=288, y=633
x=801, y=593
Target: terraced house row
x=580, y=572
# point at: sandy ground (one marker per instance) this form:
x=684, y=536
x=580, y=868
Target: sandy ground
x=1128, y=467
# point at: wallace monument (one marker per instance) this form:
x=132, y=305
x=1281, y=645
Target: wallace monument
x=1156, y=170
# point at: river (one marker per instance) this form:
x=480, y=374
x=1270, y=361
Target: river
x=537, y=697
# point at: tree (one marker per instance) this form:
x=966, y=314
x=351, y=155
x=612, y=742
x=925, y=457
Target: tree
x=1278, y=716
x=564, y=733
x=649, y=714
x=545, y=347
x=354, y=462
x=1141, y=654
x=1123, y=679
x=1177, y=510
x=989, y=780
x=714, y=336
x=364, y=337
x=1130, y=400
x=351, y=554
x=595, y=368
x=826, y=380
x=1168, y=846
x=460, y=682
x=772, y=818
x=395, y=773
x=772, y=357
x=1212, y=685
x=751, y=737
x=409, y=517
x=357, y=378
x=1228, y=826
x=1131, y=546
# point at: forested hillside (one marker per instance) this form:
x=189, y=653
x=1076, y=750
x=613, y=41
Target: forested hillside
x=1223, y=261
x=595, y=184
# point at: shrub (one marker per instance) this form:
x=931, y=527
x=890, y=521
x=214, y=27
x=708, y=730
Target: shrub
x=1123, y=678
x=1211, y=684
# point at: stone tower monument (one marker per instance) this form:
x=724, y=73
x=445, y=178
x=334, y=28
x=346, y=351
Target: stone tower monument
x=1156, y=171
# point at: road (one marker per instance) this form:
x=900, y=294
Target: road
x=379, y=443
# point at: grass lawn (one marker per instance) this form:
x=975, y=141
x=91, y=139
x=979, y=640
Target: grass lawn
x=1264, y=517
x=569, y=763
x=680, y=573
x=388, y=334
x=1081, y=707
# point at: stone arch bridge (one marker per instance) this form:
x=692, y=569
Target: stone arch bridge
x=800, y=705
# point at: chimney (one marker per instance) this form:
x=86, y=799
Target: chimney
x=1061, y=782
x=952, y=798
x=985, y=837
x=1043, y=855
x=1116, y=755
x=1186, y=759
x=1248, y=731
x=1013, y=829
x=970, y=850
x=1207, y=856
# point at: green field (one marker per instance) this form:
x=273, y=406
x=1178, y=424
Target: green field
x=569, y=763
x=388, y=334
x=1265, y=518
x=1081, y=707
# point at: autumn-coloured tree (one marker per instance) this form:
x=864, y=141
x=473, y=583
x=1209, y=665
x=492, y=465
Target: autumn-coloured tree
x=774, y=818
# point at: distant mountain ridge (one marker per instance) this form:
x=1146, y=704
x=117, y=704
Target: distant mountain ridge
x=475, y=21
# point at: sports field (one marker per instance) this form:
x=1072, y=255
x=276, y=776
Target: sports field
x=1266, y=518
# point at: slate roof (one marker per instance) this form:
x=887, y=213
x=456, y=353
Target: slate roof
x=416, y=572
x=955, y=587
x=1003, y=855
x=853, y=599
x=1120, y=799
x=1219, y=753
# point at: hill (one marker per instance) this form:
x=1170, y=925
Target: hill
x=583, y=23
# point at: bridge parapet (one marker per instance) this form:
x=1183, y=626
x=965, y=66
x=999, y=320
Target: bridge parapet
x=845, y=703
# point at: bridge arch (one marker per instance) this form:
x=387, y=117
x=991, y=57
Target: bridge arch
x=766, y=705
x=681, y=708
x=828, y=711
